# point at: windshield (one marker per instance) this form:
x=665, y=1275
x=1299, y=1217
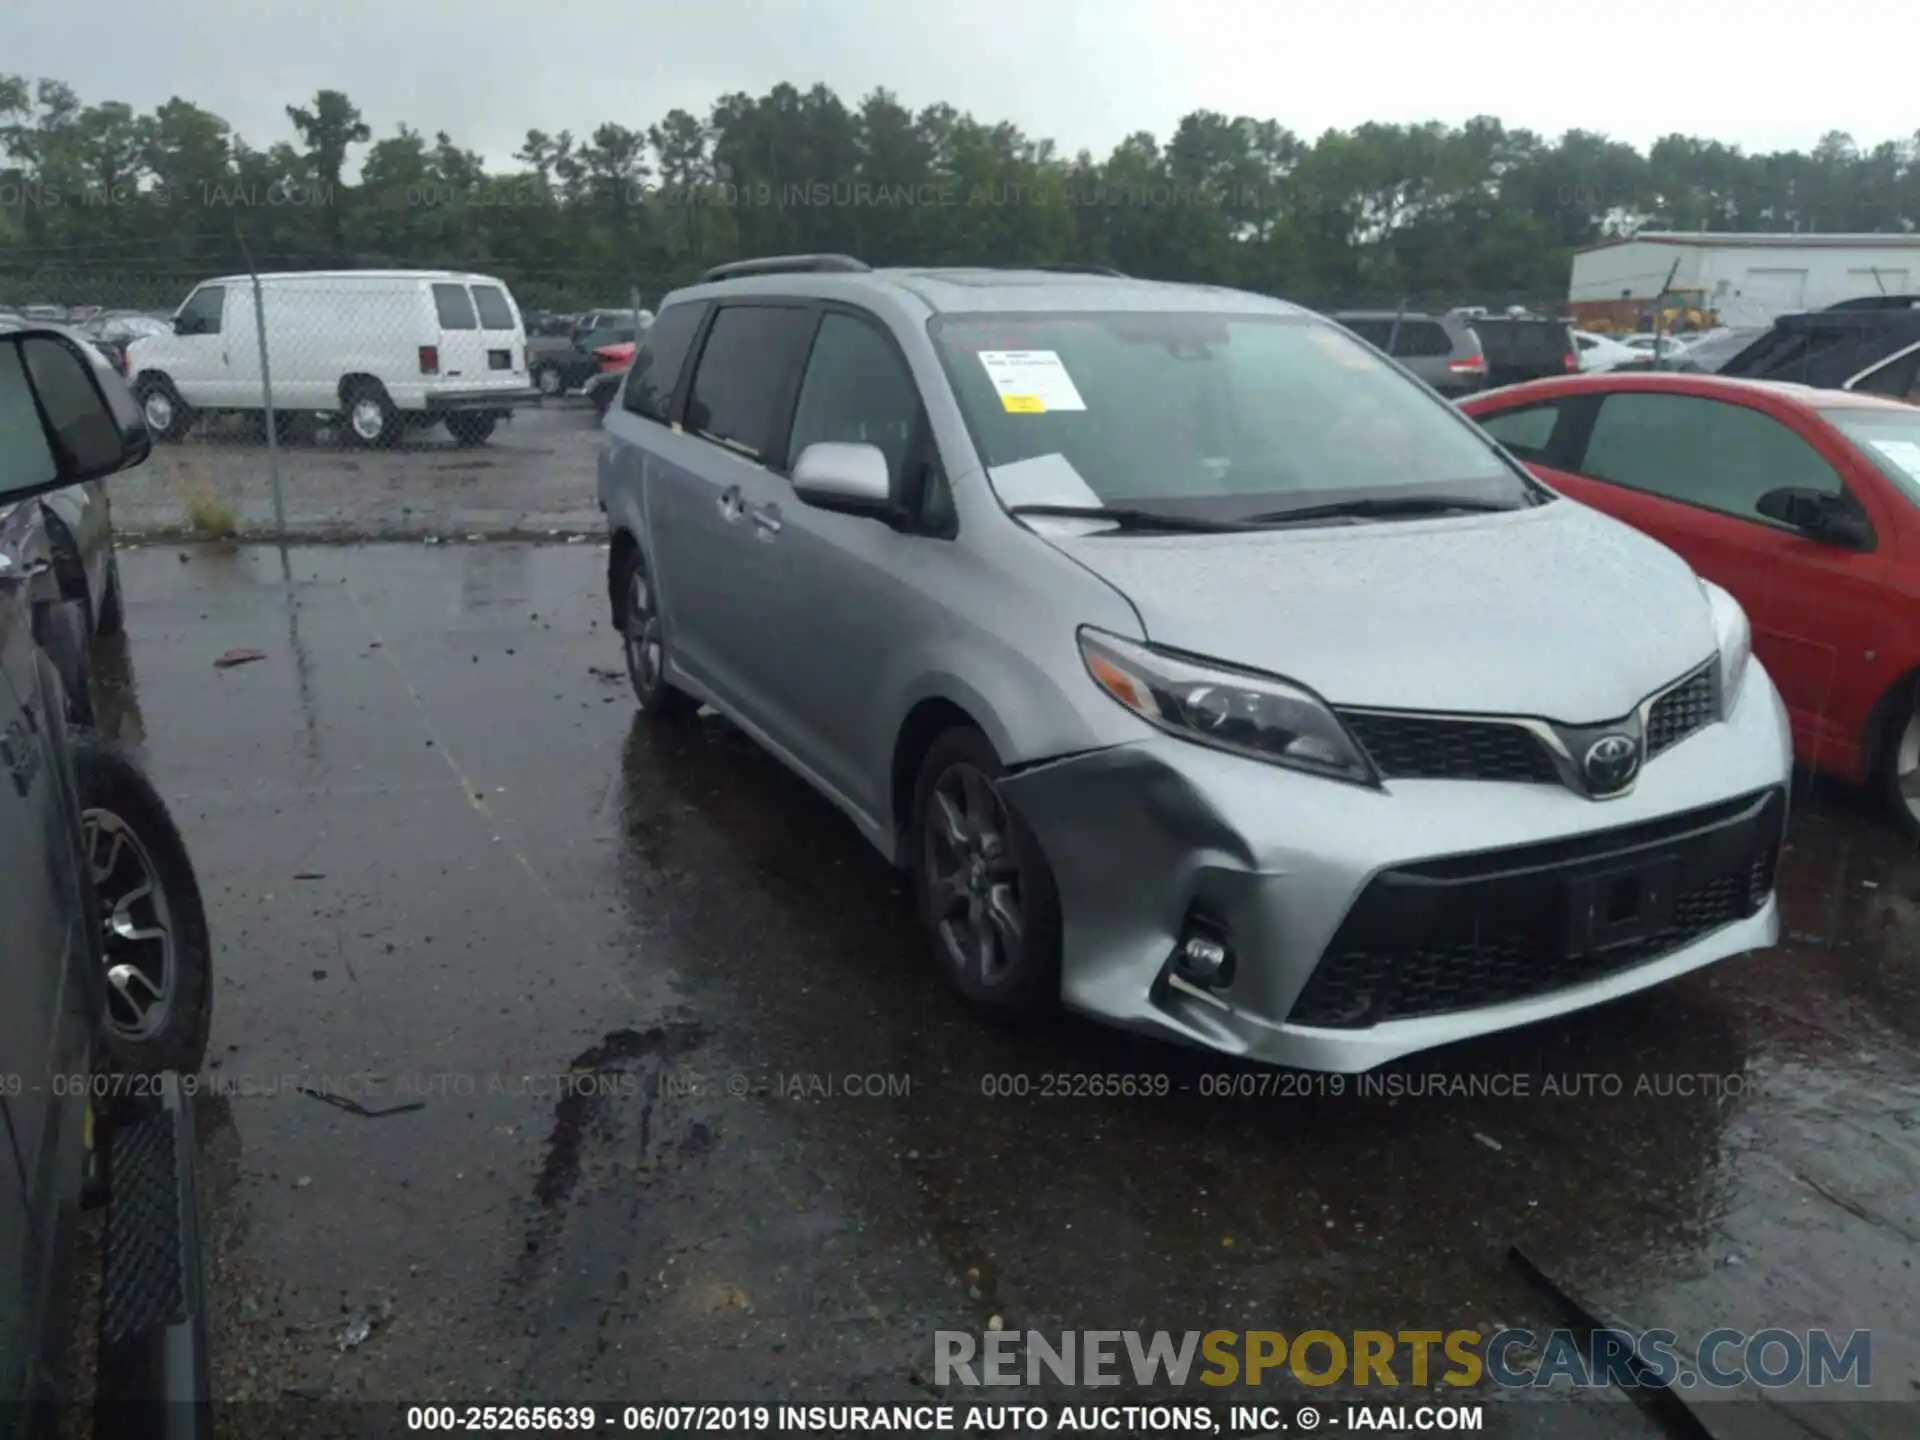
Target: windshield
x=1212, y=414
x=1889, y=438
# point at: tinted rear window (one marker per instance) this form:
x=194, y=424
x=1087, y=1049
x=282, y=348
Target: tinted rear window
x=660, y=359
x=1422, y=338
x=745, y=375
x=495, y=313
x=454, y=306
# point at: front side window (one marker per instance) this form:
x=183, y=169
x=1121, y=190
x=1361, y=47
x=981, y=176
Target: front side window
x=455, y=307
x=1897, y=379
x=745, y=376
x=1703, y=452
x=660, y=359
x=1526, y=431
x=201, y=314
x=1889, y=438
x=1220, y=415
x=857, y=390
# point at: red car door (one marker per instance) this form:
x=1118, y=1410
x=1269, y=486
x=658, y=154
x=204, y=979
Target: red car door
x=1689, y=469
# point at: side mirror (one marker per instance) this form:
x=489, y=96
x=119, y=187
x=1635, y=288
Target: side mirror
x=1816, y=514
x=834, y=475
x=65, y=417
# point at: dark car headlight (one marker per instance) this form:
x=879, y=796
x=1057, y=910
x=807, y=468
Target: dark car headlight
x=1259, y=716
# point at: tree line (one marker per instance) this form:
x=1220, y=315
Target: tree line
x=99, y=194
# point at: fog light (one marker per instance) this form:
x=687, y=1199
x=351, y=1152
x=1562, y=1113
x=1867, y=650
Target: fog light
x=1203, y=957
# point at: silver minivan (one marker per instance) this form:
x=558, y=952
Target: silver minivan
x=1210, y=675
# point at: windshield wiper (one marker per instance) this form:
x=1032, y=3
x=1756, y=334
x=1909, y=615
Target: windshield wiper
x=1133, y=520
x=1382, y=508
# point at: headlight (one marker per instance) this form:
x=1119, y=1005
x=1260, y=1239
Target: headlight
x=1258, y=716
x=1734, y=637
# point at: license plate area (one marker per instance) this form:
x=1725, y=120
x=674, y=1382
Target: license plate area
x=1620, y=904
x=499, y=359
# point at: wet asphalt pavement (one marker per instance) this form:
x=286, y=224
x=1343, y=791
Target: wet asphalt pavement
x=447, y=868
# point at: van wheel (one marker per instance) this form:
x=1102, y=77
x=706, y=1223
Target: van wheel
x=471, y=429
x=167, y=415
x=983, y=887
x=643, y=637
x=159, y=959
x=372, y=419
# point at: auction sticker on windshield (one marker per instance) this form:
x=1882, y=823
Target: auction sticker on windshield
x=1031, y=382
x=1904, y=453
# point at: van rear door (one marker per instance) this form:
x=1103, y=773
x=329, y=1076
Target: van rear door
x=460, y=358
x=501, y=334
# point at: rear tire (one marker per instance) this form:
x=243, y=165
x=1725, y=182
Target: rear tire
x=643, y=638
x=167, y=415
x=471, y=429
x=372, y=421
x=159, y=959
x=981, y=882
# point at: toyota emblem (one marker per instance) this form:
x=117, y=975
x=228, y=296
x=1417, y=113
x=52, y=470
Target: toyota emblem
x=1611, y=761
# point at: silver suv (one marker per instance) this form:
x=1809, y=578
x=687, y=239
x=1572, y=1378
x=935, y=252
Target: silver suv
x=1443, y=350
x=1209, y=675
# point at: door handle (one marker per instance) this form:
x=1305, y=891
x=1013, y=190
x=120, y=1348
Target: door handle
x=732, y=507
x=767, y=520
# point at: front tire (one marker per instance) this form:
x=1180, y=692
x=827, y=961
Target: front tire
x=982, y=885
x=159, y=958
x=471, y=429
x=167, y=415
x=1900, y=767
x=643, y=638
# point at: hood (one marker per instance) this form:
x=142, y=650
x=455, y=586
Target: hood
x=1557, y=612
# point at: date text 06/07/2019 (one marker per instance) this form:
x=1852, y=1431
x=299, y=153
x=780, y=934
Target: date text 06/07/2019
x=922, y=1419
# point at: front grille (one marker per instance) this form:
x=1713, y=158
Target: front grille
x=1419, y=747
x=1691, y=704
x=1475, y=931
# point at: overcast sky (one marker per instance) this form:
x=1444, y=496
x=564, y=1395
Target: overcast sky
x=1083, y=72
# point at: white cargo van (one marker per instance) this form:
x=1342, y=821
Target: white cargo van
x=379, y=350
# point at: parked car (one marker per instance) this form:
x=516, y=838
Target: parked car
x=1206, y=673
x=1871, y=346
x=1442, y=350
x=1602, y=352
x=123, y=327
x=615, y=360
x=383, y=350
x=1803, y=503
x=1526, y=347
x=63, y=539
x=537, y=323
x=100, y=903
x=558, y=366
x=1647, y=342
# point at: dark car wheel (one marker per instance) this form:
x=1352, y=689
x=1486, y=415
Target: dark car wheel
x=982, y=884
x=643, y=637
x=471, y=429
x=112, y=618
x=548, y=380
x=159, y=960
x=1900, y=767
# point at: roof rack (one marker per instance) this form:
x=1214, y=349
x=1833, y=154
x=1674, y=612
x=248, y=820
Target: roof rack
x=1069, y=268
x=787, y=265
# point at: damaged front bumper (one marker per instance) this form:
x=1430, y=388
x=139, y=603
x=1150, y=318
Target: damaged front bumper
x=1365, y=925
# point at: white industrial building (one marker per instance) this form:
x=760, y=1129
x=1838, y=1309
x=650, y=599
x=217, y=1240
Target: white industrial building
x=1742, y=279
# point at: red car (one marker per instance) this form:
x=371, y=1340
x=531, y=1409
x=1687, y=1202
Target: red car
x=1803, y=503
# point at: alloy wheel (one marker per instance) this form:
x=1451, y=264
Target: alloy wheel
x=645, y=654
x=1906, y=764
x=973, y=876
x=137, y=927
